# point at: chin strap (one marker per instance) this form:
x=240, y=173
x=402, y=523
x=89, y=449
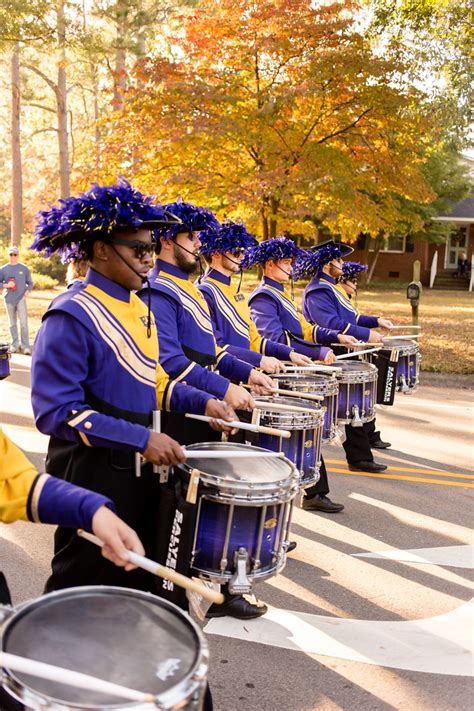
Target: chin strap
x=144, y=280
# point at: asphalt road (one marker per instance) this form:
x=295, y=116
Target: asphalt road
x=344, y=631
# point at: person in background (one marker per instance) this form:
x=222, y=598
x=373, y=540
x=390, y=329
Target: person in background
x=463, y=265
x=16, y=280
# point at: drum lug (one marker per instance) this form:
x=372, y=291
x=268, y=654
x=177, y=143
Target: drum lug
x=356, y=421
x=404, y=386
x=239, y=582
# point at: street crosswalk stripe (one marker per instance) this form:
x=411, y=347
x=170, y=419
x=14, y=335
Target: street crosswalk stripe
x=417, y=479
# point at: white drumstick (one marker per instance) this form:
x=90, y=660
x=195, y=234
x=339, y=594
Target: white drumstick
x=358, y=353
x=71, y=678
x=408, y=325
x=243, y=425
x=229, y=453
x=405, y=337
x=279, y=407
x=161, y=571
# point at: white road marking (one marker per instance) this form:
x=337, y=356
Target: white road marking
x=449, y=556
x=436, y=645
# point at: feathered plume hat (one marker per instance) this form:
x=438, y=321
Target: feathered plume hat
x=230, y=236
x=351, y=270
x=77, y=221
x=275, y=248
x=312, y=261
x=192, y=219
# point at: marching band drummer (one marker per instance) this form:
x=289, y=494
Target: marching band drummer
x=188, y=349
x=274, y=313
x=325, y=302
x=224, y=248
x=96, y=377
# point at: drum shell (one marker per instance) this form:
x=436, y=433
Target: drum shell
x=357, y=387
x=325, y=385
x=408, y=363
x=187, y=693
x=232, y=515
x=303, y=448
x=4, y=360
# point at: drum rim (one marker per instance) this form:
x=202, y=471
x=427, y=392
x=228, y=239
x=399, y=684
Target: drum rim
x=274, y=488
x=168, y=699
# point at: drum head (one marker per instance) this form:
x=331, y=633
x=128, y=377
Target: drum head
x=403, y=346
x=355, y=366
x=261, y=470
x=122, y=636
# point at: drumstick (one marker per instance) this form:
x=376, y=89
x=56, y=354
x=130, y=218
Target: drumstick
x=290, y=393
x=162, y=571
x=243, y=425
x=357, y=353
x=229, y=453
x=408, y=325
x=71, y=678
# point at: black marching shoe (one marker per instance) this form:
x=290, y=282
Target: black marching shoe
x=371, y=467
x=291, y=546
x=243, y=607
x=321, y=503
x=379, y=444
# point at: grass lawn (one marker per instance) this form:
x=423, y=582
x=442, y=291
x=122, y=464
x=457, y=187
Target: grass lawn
x=446, y=318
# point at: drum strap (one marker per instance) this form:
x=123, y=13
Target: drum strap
x=386, y=362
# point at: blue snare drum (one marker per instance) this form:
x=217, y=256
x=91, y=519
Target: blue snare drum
x=243, y=516
x=305, y=423
x=408, y=368
x=4, y=361
x=315, y=384
x=357, y=392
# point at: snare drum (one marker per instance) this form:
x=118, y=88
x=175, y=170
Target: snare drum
x=4, y=360
x=357, y=392
x=321, y=384
x=408, y=363
x=303, y=448
x=243, y=515
x=123, y=636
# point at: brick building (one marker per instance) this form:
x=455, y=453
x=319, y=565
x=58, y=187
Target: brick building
x=395, y=261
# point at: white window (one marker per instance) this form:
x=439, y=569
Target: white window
x=394, y=243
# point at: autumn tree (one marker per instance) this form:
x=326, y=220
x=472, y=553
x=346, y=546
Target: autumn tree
x=278, y=110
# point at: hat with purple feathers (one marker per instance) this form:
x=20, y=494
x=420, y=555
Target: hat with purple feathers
x=230, y=236
x=76, y=221
x=311, y=262
x=271, y=249
x=351, y=270
x=192, y=219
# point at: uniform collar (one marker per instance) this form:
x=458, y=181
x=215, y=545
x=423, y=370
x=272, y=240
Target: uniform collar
x=273, y=283
x=162, y=266
x=218, y=276
x=326, y=277
x=116, y=291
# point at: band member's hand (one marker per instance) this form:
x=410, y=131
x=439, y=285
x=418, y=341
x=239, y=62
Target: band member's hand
x=261, y=384
x=375, y=337
x=220, y=410
x=239, y=398
x=117, y=537
x=346, y=340
x=385, y=323
x=271, y=365
x=161, y=449
x=329, y=358
x=300, y=359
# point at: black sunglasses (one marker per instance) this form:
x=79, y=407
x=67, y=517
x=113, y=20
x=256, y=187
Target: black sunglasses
x=141, y=249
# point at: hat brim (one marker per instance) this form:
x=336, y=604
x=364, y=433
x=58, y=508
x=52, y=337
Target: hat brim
x=345, y=248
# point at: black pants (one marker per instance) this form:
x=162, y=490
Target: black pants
x=109, y=472
x=358, y=441
x=322, y=487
